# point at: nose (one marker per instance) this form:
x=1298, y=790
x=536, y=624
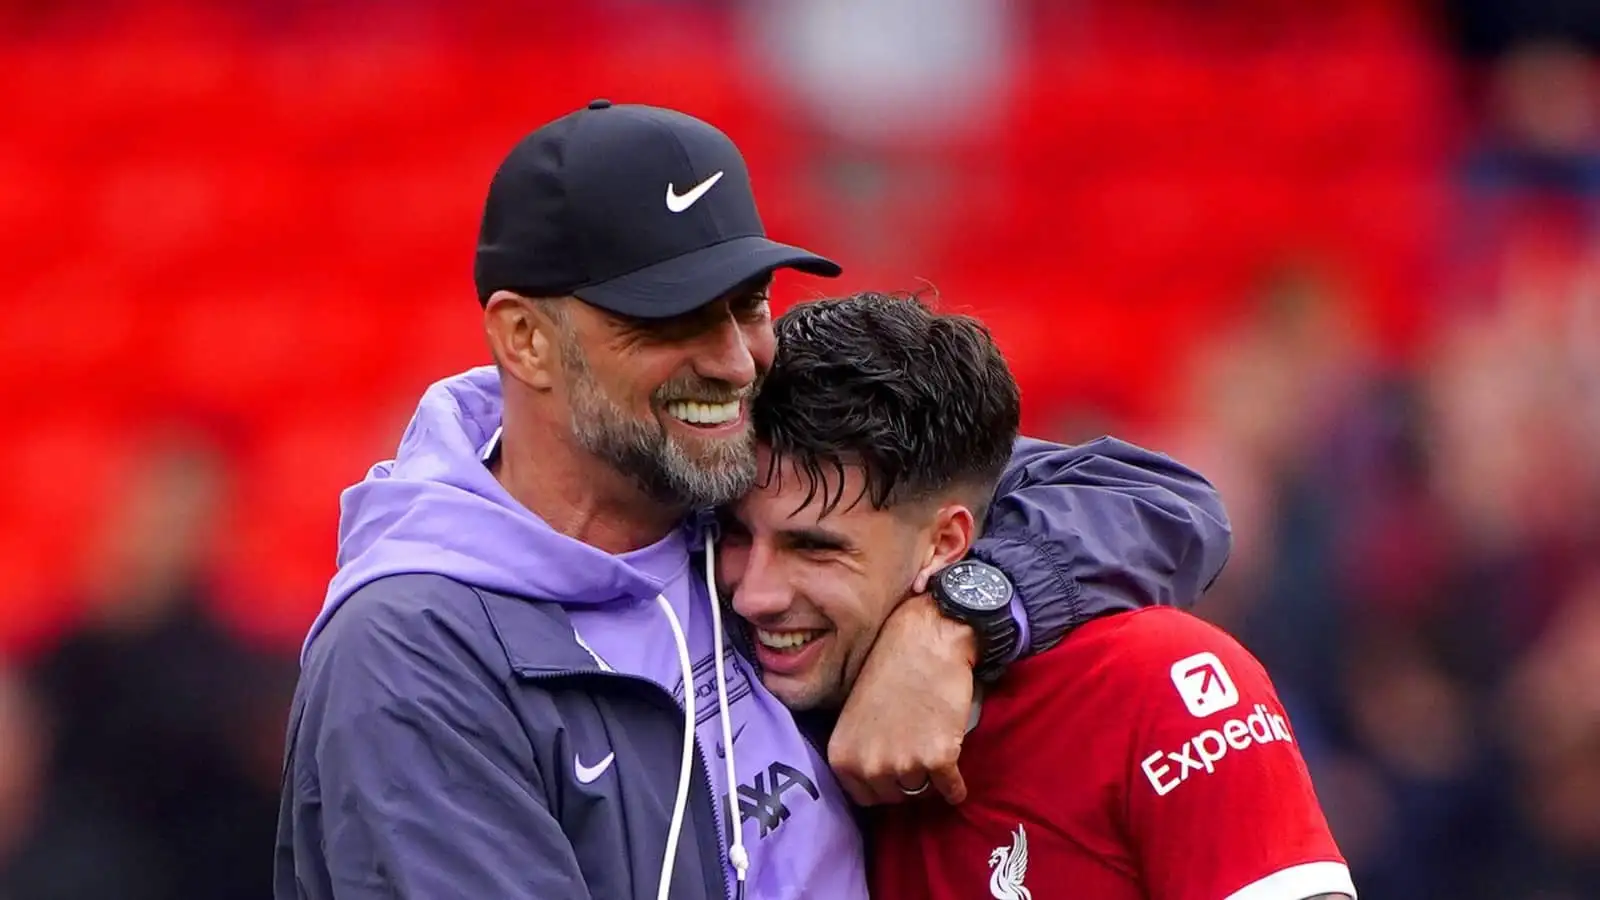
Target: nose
x=761, y=593
x=725, y=354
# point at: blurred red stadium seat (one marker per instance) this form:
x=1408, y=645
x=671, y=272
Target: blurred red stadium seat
x=274, y=224
x=281, y=533
x=59, y=485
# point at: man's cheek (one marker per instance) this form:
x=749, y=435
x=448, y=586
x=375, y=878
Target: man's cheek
x=762, y=342
x=848, y=660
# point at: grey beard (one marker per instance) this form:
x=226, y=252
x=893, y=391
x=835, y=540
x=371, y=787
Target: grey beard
x=661, y=466
x=644, y=452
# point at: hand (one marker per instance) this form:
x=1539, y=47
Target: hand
x=905, y=719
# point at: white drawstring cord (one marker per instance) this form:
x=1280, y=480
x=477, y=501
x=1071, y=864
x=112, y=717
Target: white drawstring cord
x=738, y=857
x=687, y=760
x=736, y=852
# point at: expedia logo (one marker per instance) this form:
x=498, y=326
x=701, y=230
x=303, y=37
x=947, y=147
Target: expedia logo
x=1202, y=753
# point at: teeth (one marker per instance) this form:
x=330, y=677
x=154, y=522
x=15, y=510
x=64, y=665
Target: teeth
x=786, y=640
x=697, y=413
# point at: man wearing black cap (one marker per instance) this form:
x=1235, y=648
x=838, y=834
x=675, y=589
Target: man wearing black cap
x=639, y=211
x=519, y=686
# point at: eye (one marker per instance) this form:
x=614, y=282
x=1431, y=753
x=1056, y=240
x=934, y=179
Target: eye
x=814, y=546
x=733, y=531
x=755, y=307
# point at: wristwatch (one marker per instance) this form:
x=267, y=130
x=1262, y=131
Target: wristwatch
x=979, y=595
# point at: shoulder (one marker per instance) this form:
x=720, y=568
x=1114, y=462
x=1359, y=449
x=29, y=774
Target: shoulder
x=415, y=633
x=410, y=664
x=402, y=638
x=401, y=611
x=1162, y=656
x=1135, y=644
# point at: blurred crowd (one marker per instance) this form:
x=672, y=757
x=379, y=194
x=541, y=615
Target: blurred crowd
x=1417, y=534
x=140, y=755
x=1418, y=565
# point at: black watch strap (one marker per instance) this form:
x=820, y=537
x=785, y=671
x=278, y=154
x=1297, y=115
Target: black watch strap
x=996, y=631
x=997, y=644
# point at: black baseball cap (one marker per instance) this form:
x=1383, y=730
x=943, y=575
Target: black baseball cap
x=638, y=210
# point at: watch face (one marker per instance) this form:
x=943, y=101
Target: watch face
x=976, y=586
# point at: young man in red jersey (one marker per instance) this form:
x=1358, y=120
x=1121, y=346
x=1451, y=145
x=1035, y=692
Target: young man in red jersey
x=1146, y=757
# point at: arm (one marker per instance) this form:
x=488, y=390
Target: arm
x=410, y=777
x=1080, y=531
x=1099, y=527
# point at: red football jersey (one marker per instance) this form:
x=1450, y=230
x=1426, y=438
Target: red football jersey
x=1145, y=758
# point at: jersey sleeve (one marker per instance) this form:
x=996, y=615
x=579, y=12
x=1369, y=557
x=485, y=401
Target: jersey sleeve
x=1219, y=803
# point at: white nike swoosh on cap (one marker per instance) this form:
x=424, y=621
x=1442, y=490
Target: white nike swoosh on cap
x=586, y=774
x=679, y=202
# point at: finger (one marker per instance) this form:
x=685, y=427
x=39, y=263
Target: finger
x=948, y=782
x=860, y=791
x=849, y=769
x=913, y=780
x=891, y=788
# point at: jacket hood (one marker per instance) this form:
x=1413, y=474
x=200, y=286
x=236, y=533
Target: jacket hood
x=437, y=509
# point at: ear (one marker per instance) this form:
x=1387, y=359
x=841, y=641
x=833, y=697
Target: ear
x=950, y=536
x=523, y=339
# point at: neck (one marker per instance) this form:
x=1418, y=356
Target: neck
x=578, y=495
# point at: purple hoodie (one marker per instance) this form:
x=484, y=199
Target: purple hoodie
x=438, y=509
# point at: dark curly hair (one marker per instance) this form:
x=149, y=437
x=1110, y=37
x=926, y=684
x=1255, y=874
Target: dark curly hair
x=922, y=401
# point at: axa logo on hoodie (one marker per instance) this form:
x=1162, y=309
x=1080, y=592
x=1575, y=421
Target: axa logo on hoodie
x=767, y=797
x=763, y=798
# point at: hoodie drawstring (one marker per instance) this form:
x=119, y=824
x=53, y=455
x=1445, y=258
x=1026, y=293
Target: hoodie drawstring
x=736, y=852
x=686, y=762
x=737, y=856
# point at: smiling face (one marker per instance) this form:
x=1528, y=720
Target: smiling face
x=883, y=427
x=667, y=402
x=816, y=584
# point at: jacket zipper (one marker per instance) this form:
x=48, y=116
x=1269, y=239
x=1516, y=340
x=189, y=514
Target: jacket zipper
x=665, y=699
